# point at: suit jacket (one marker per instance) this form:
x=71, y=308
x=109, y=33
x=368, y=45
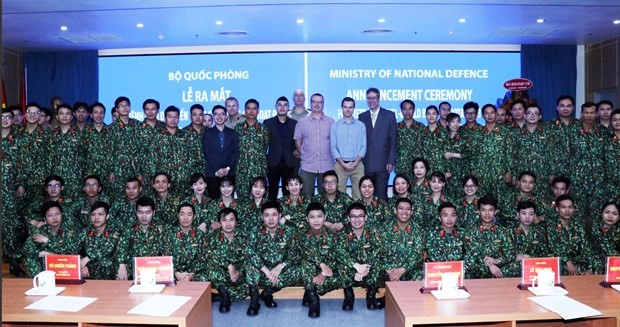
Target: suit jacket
x=217, y=157
x=380, y=140
x=279, y=146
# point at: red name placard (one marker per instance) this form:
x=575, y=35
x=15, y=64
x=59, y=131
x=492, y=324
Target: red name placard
x=163, y=267
x=67, y=267
x=531, y=266
x=434, y=270
x=612, y=276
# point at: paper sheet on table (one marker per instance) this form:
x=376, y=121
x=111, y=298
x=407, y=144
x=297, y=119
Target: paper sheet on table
x=62, y=303
x=566, y=307
x=160, y=305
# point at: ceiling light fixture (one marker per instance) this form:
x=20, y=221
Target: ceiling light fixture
x=617, y=21
x=462, y=20
x=300, y=21
x=540, y=20
x=381, y=20
x=139, y=25
x=64, y=28
x=219, y=22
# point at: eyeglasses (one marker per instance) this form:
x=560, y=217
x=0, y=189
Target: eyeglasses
x=533, y=114
x=330, y=182
x=122, y=105
x=91, y=186
x=357, y=216
x=470, y=186
x=7, y=117
x=53, y=186
x=32, y=113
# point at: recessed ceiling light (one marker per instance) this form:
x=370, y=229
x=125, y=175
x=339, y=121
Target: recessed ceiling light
x=450, y=33
x=219, y=22
x=64, y=28
x=300, y=21
x=540, y=20
x=617, y=21
x=462, y=20
x=139, y=25
x=381, y=20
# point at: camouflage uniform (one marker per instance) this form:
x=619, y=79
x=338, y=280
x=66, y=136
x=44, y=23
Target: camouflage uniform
x=533, y=244
x=124, y=147
x=419, y=192
x=187, y=250
x=196, y=161
x=367, y=249
x=33, y=162
x=220, y=253
x=433, y=144
x=67, y=156
x=33, y=212
x=314, y=251
x=96, y=160
x=296, y=211
x=170, y=154
x=570, y=243
x=250, y=217
x=335, y=211
x=441, y=245
x=269, y=251
x=135, y=242
x=559, y=145
x=166, y=210
x=429, y=212
x=612, y=162
x=532, y=152
x=65, y=241
x=457, y=167
x=408, y=146
x=80, y=211
x=404, y=248
x=13, y=229
x=607, y=244
x=481, y=242
x=254, y=141
x=122, y=214
x=378, y=212
x=587, y=168
x=101, y=249
x=214, y=207
x=468, y=214
x=490, y=160
x=201, y=208
x=145, y=135
x=508, y=207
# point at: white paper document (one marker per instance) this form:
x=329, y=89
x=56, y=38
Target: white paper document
x=62, y=303
x=566, y=307
x=160, y=305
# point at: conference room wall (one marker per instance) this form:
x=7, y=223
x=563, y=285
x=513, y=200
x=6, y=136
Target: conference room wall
x=603, y=70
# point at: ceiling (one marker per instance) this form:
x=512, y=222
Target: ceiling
x=34, y=25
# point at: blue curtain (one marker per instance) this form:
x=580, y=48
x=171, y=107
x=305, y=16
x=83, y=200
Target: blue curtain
x=553, y=70
x=73, y=75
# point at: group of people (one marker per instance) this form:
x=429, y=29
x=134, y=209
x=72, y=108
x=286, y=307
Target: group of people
x=487, y=194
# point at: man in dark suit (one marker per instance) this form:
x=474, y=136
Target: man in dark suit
x=280, y=160
x=380, y=142
x=220, y=148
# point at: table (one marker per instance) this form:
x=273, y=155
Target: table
x=497, y=302
x=110, y=309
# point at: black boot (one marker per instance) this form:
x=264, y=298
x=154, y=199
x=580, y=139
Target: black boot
x=267, y=296
x=306, y=300
x=371, y=300
x=224, y=299
x=15, y=269
x=381, y=303
x=254, y=301
x=315, y=305
x=215, y=297
x=349, y=299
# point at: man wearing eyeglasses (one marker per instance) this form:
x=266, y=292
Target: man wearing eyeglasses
x=79, y=215
x=334, y=201
x=380, y=156
x=32, y=143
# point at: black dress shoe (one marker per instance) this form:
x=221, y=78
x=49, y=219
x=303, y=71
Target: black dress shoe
x=349, y=299
x=267, y=296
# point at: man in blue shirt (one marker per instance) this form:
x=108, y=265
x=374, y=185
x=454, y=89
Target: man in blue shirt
x=220, y=148
x=348, y=146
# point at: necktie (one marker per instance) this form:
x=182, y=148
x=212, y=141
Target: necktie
x=373, y=116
